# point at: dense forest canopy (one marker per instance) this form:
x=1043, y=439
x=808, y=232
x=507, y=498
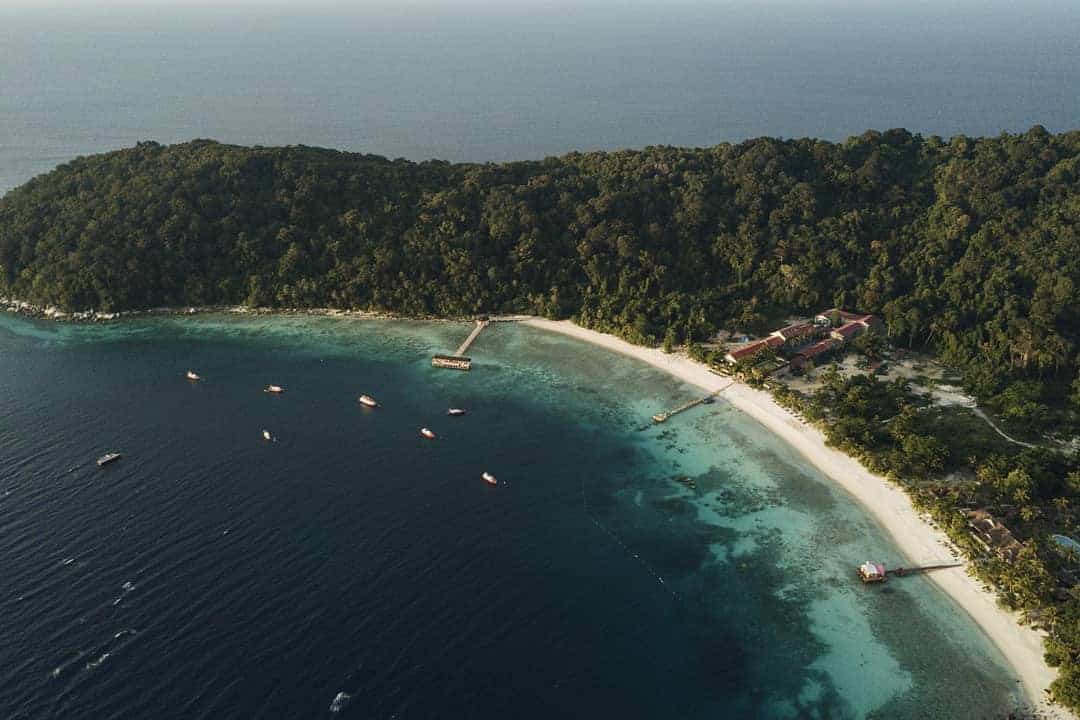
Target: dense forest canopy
x=967, y=247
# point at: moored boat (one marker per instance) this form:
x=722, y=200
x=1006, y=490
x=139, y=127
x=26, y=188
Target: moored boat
x=267, y=436
x=108, y=458
x=276, y=389
x=489, y=478
x=427, y=433
x=193, y=376
x=368, y=401
x=455, y=412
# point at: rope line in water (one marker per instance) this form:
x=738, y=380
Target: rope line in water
x=626, y=548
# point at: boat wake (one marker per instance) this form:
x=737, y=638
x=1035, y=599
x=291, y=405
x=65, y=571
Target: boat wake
x=95, y=664
x=63, y=667
x=127, y=587
x=103, y=652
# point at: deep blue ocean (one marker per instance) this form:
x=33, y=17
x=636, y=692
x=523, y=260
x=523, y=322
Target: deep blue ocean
x=699, y=570
x=478, y=80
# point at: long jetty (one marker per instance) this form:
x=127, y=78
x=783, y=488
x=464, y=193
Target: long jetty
x=667, y=415
x=901, y=572
x=480, y=325
x=872, y=573
x=458, y=361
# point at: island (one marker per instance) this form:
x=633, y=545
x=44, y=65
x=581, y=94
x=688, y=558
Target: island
x=958, y=260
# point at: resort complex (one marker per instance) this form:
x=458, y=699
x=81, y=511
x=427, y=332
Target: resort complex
x=538, y=360
x=802, y=344
x=991, y=535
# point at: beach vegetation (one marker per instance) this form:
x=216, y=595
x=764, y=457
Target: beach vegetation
x=952, y=462
x=967, y=249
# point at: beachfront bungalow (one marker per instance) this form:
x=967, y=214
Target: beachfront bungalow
x=795, y=334
x=748, y=351
x=991, y=535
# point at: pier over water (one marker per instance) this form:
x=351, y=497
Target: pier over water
x=458, y=361
x=665, y=416
x=480, y=325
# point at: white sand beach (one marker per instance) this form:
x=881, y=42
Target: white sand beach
x=914, y=536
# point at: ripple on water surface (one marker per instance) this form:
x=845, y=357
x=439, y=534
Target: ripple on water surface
x=699, y=570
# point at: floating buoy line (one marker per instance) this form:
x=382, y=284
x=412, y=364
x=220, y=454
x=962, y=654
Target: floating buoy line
x=626, y=548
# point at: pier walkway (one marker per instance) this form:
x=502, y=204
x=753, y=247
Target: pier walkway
x=665, y=416
x=872, y=573
x=480, y=325
x=458, y=361
x=901, y=572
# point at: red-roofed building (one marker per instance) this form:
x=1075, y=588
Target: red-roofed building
x=848, y=331
x=854, y=328
x=872, y=322
x=818, y=348
x=834, y=317
x=751, y=349
x=795, y=334
x=806, y=355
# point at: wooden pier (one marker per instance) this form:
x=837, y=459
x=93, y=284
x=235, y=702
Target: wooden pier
x=873, y=572
x=480, y=325
x=665, y=416
x=901, y=572
x=458, y=361
x=451, y=362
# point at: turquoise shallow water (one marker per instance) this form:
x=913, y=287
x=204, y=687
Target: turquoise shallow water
x=208, y=574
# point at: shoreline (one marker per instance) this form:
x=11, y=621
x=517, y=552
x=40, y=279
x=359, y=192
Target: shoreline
x=915, y=537
x=36, y=312
x=918, y=540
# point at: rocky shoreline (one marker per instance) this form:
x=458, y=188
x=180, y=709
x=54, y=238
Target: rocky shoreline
x=55, y=314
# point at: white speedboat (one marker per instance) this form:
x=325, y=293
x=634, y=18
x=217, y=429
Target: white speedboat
x=193, y=376
x=108, y=458
x=455, y=412
x=267, y=436
x=427, y=433
x=368, y=401
x=489, y=478
x=276, y=389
